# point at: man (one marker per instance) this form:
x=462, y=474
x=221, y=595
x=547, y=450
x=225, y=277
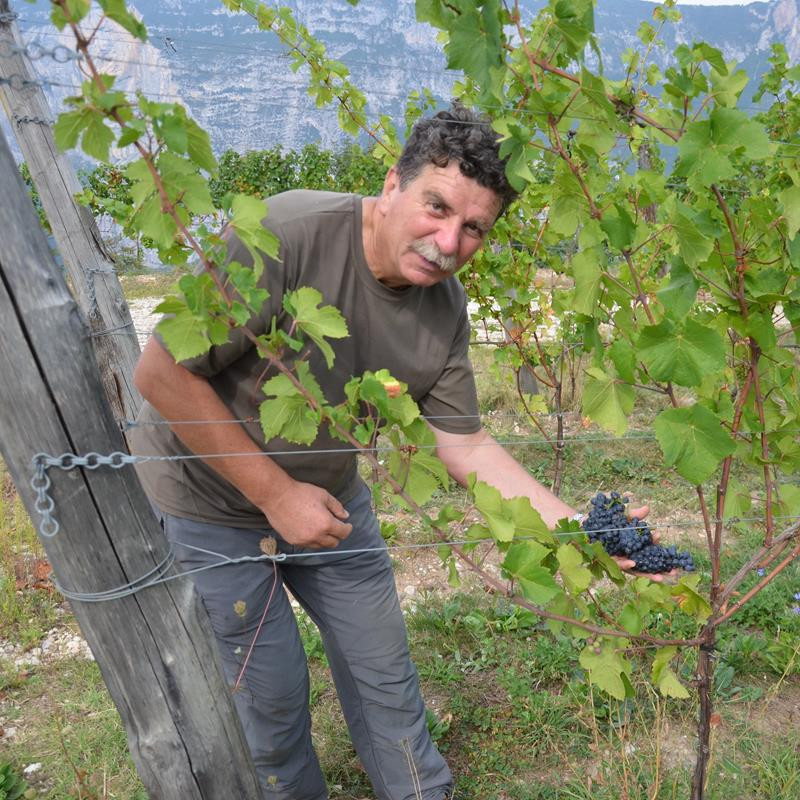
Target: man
x=387, y=263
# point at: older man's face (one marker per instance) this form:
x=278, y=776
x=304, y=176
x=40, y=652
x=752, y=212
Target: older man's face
x=433, y=226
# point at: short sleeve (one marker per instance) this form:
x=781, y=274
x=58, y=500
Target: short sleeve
x=274, y=280
x=452, y=403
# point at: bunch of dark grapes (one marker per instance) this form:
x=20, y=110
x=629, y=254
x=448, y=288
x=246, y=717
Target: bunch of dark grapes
x=620, y=535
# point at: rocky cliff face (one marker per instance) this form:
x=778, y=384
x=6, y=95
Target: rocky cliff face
x=238, y=83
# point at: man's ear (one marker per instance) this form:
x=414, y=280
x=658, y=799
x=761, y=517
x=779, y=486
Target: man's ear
x=390, y=182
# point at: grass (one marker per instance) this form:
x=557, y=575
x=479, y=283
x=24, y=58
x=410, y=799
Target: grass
x=510, y=707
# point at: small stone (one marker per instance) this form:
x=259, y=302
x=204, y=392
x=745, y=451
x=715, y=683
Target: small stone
x=31, y=768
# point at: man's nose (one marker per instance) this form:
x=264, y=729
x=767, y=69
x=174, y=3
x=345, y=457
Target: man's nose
x=448, y=236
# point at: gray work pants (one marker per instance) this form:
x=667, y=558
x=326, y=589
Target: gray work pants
x=353, y=601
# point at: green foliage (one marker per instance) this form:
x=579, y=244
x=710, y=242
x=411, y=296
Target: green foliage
x=263, y=173
x=12, y=786
x=665, y=280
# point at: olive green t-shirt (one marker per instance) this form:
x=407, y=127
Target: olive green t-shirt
x=419, y=334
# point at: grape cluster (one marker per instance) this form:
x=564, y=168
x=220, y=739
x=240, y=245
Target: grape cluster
x=620, y=535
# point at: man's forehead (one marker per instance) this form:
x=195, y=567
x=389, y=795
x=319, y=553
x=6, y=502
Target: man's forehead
x=456, y=186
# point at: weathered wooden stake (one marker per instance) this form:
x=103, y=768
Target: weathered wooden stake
x=155, y=648
x=89, y=266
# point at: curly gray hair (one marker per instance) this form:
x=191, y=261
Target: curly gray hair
x=462, y=135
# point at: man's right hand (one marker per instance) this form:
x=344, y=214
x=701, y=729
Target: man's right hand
x=307, y=516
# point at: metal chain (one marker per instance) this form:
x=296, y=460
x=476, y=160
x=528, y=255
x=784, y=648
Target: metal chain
x=20, y=82
x=33, y=120
x=8, y=16
x=36, y=51
x=44, y=504
x=40, y=483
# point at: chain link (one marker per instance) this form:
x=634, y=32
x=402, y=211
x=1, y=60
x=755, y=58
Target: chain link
x=44, y=504
x=8, y=16
x=36, y=51
x=40, y=483
x=19, y=82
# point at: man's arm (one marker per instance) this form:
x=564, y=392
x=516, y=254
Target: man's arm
x=304, y=514
x=478, y=452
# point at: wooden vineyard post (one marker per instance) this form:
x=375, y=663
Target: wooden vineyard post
x=154, y=647
x=89, y=266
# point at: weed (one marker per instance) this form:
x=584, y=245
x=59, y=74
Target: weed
x=12, y=786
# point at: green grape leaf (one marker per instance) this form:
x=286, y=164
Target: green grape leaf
x=679, y=292
x=623, y=357
x=576, y=576
x=596, y=551
x=761, y=327
x=693, y=441
x=606, y=668
x=528, y=521
x=248, y=213
x=727, y=88
x=97, y=137
x=631, y=619
x=173, y=129
x=68, y=127
x=588, y=274
x=286, y=413
x=133, y=131
x=523, y=562
x=575, y=21
x=607, y=401
x=76, y=11
x=420, y=478
x=116, y=10
x=689, y=598
x=683, y=354
x=695, y=245
x=702, y=161
x=155, y=224
x=316, y=321
x=737, y=499
x=594, y=90
x=712, y=56
x=184, y=334
x=183, y=183
x=490, y=503
x=619, y=227
x=199, y=146
x=790, y=200
x=789, y=504
x=475, y=43
x=664, y=677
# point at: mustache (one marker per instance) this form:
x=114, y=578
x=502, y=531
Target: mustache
x=431, y=252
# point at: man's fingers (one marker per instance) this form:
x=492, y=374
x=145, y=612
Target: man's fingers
x=336, y=508
x=639, y=513
x=339, y=530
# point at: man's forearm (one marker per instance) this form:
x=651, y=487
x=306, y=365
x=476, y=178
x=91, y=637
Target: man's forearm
x=481, y=454
x=182, y=397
